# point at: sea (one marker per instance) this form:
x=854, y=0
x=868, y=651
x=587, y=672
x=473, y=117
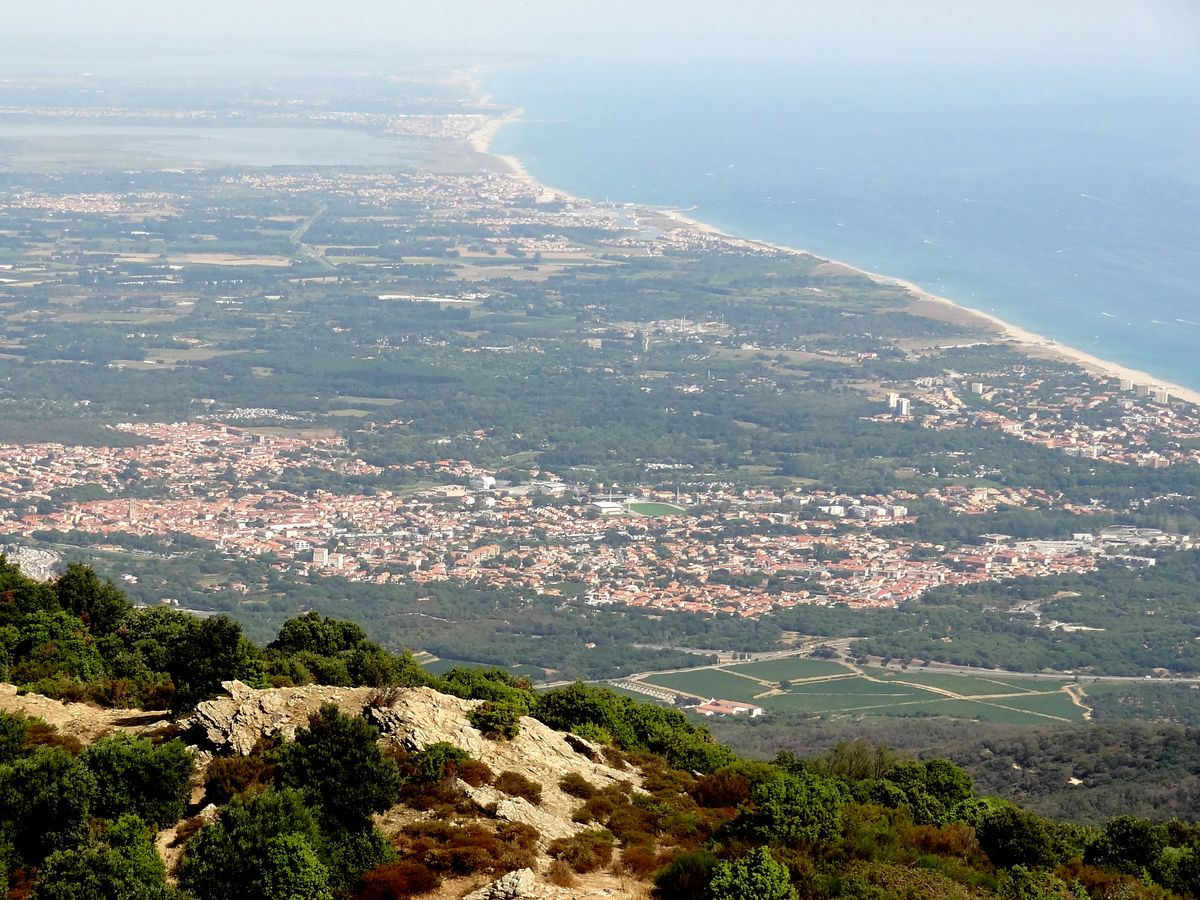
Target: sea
x=1065, y=202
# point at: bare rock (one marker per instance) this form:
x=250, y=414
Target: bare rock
x=79, y=720
x=518, y=885
x=415, y=718
x=518, y=809
x=235, y=723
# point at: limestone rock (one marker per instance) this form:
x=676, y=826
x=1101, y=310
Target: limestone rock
x=415, y=718
x=518, y=885
x=518, y=809
x=234, y=723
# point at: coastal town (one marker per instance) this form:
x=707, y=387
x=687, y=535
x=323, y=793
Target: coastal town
x=719, y=549
x=1111, y=420
x=275, y=344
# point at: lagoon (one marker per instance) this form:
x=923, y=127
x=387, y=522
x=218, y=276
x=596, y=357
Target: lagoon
x=71, y=144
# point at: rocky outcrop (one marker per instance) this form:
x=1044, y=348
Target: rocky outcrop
x=523, y=884
x=517, y=809
x=517, y=885
x=414, y=718
x=79, y=720
x=233, y=724
x=418, y=717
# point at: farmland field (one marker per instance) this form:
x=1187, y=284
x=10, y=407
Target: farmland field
x=792, y=669
x=821, y=687
x=709, y=683
x=441, y=666
x=970, y=685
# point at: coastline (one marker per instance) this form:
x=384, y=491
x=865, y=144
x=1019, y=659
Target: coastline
x=925, y=303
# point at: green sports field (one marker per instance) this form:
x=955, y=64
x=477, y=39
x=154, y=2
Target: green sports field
x=655, y=509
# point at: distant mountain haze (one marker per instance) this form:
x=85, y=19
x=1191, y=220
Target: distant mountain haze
x=1073, y=33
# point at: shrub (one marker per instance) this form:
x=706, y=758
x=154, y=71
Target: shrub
x=134, y=776
x=123, y=864
x=758, y=876
x=639, y=861
x=584, y=852
x=476, y=773
x=406, y=878
x=187, y=829
x=592, y=732
x=1127, y=845
x=347, y=854
x=685, y=877
x=518, y=846
x=263, y=846
x=560, y=874
x=45, y=804
x=465, y=848
x=517, y=785
x=499, y=720
x=337, y=761
x=436, y=762
x=42, y=734
x=722, y=789
x=228, y=776
x=576, y=785
x=955, y=840
x=494, y=685
x=1010, y=837
x=14, y=736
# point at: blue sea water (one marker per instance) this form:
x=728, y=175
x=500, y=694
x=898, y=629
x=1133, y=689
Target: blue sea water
x=1064, y=203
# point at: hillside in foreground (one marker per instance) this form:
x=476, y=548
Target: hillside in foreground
x=323, y=766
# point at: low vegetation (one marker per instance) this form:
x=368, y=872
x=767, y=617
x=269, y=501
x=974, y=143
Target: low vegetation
x=299, y=818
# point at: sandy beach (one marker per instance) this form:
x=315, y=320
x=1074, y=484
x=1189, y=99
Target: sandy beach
x=924, y=303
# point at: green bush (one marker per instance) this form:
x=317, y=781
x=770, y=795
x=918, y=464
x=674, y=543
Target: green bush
x=517, y=785
x=123, y=864
x=436, y=762
x=263, y=847
x=45, y=804
x=134, y=776
x=499, y=720
x=494, y=685
x=337, y=761
x=757, y=876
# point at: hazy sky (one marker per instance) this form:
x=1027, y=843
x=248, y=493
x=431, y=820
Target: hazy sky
x=1091, y=33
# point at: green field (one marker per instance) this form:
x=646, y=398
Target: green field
x=792, y=669
x=1054, y=703
x=709, y=683
x=821, y=687
x=655, y=509
x=846, y=696
x=971, y=685
x=439, y=666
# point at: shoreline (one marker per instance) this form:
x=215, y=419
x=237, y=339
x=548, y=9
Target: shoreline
x=925, y=303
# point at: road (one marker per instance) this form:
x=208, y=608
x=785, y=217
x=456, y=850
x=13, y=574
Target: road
x=296, y=238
